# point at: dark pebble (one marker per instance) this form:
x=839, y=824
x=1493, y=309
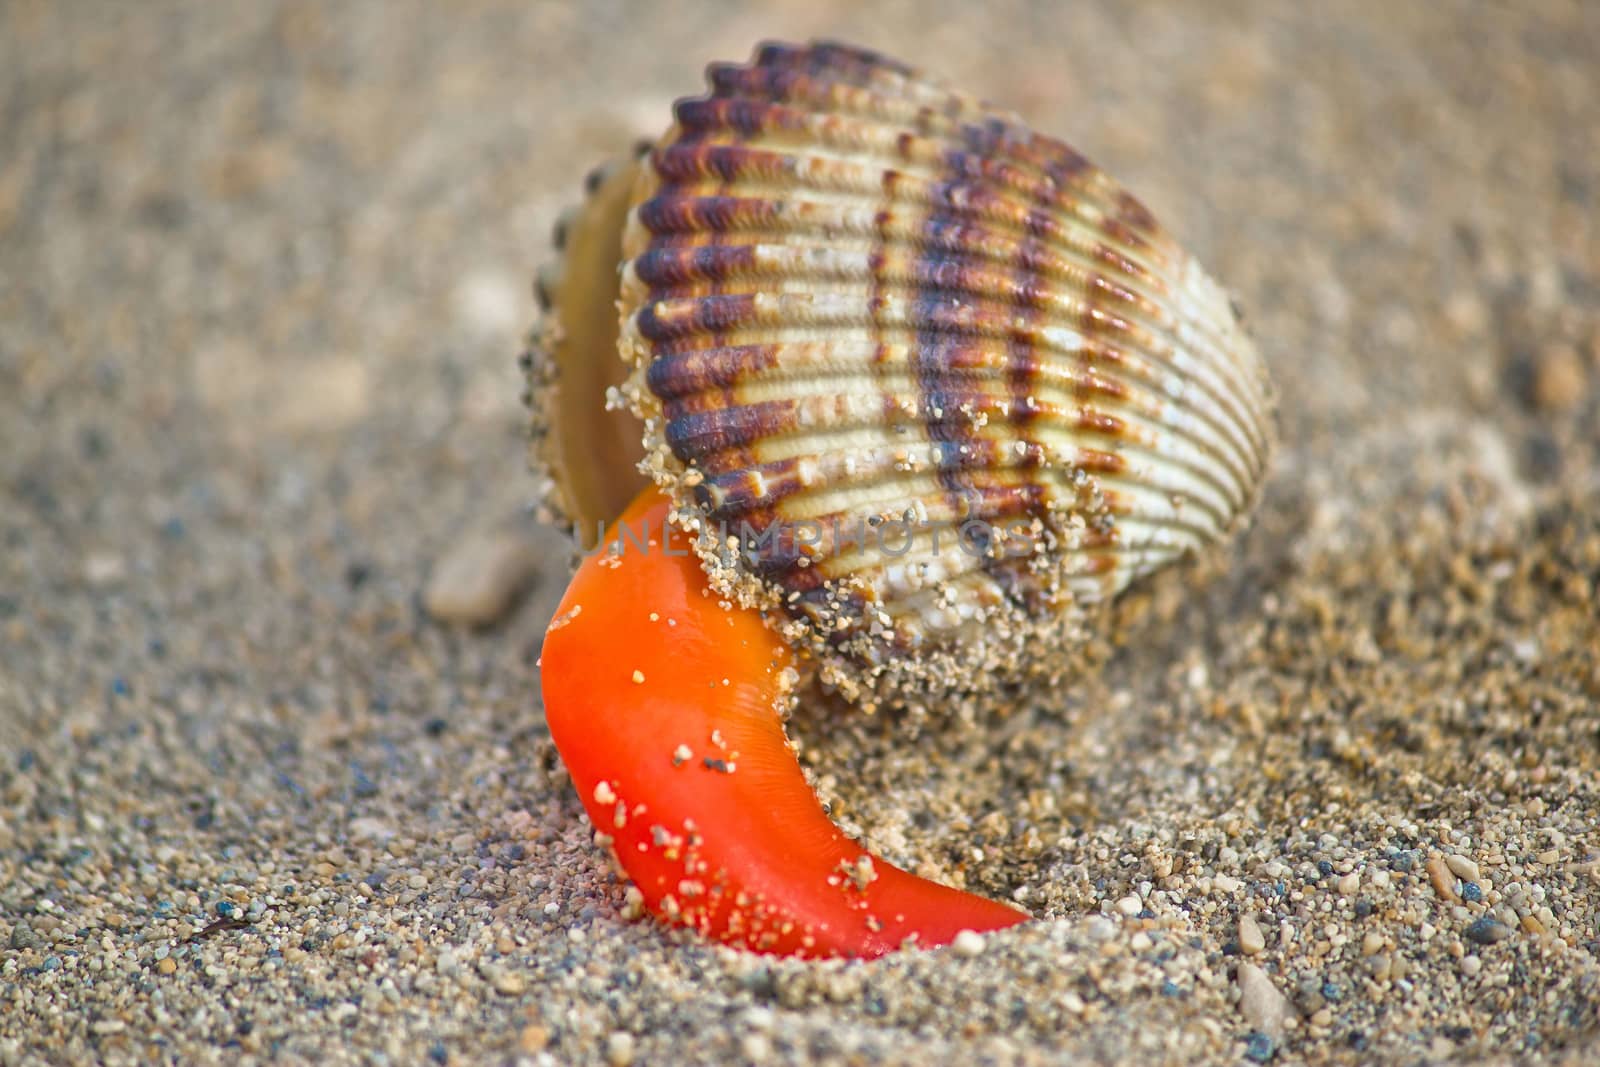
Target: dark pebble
x=1471, y=893
x=1259, y=1047
x=760, y=982
x=365, y=787
x=1487, y=931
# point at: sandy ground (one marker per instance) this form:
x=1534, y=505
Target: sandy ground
x=263, y=271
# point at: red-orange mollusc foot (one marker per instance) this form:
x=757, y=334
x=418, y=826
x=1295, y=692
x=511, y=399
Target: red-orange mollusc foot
x=665, y=707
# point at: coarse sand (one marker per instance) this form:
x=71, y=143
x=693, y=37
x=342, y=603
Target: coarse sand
x=264, y=269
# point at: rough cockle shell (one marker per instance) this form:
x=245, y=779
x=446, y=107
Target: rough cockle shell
x=854, y=298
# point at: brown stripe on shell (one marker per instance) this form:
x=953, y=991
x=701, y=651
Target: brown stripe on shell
x=703, y=437
x=681, y=374
x=673, y=267
x=670, y=213
x=666, y=321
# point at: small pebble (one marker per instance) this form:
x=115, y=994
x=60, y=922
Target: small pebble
x=1251, y=940
x=1471, y=965
x=1462, y=868
x=1349, y=885
x=1487, y=931
x=166, y=966
x=1130, y=905
x=619, y=1049
x=968, y=943
x=1443, y=882
x=1262, y=1005
x=1560, y=379
x=479, y=577
x=509, y=983
x=103, y=568
x=533, y=1039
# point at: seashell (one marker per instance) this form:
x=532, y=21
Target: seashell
x=863, y=311
x=927, y=386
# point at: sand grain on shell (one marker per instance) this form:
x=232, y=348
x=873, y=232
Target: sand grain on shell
x=257, y=379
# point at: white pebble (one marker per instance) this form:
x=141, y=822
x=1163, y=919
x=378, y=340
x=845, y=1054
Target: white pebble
x=1260, y=1002
x=968, y=943
x=489, y=302
x=619, y=1049
x=478, y=578
x=1251, y=940
x=1462, y=868
x=1350, y=884
x=1130, y=905
x=1223, y=883
x=102, y=568
x=508, y=983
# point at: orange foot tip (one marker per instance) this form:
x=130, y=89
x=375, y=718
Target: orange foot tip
x=664, y=706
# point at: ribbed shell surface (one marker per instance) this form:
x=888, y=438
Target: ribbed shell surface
x=944, y=380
